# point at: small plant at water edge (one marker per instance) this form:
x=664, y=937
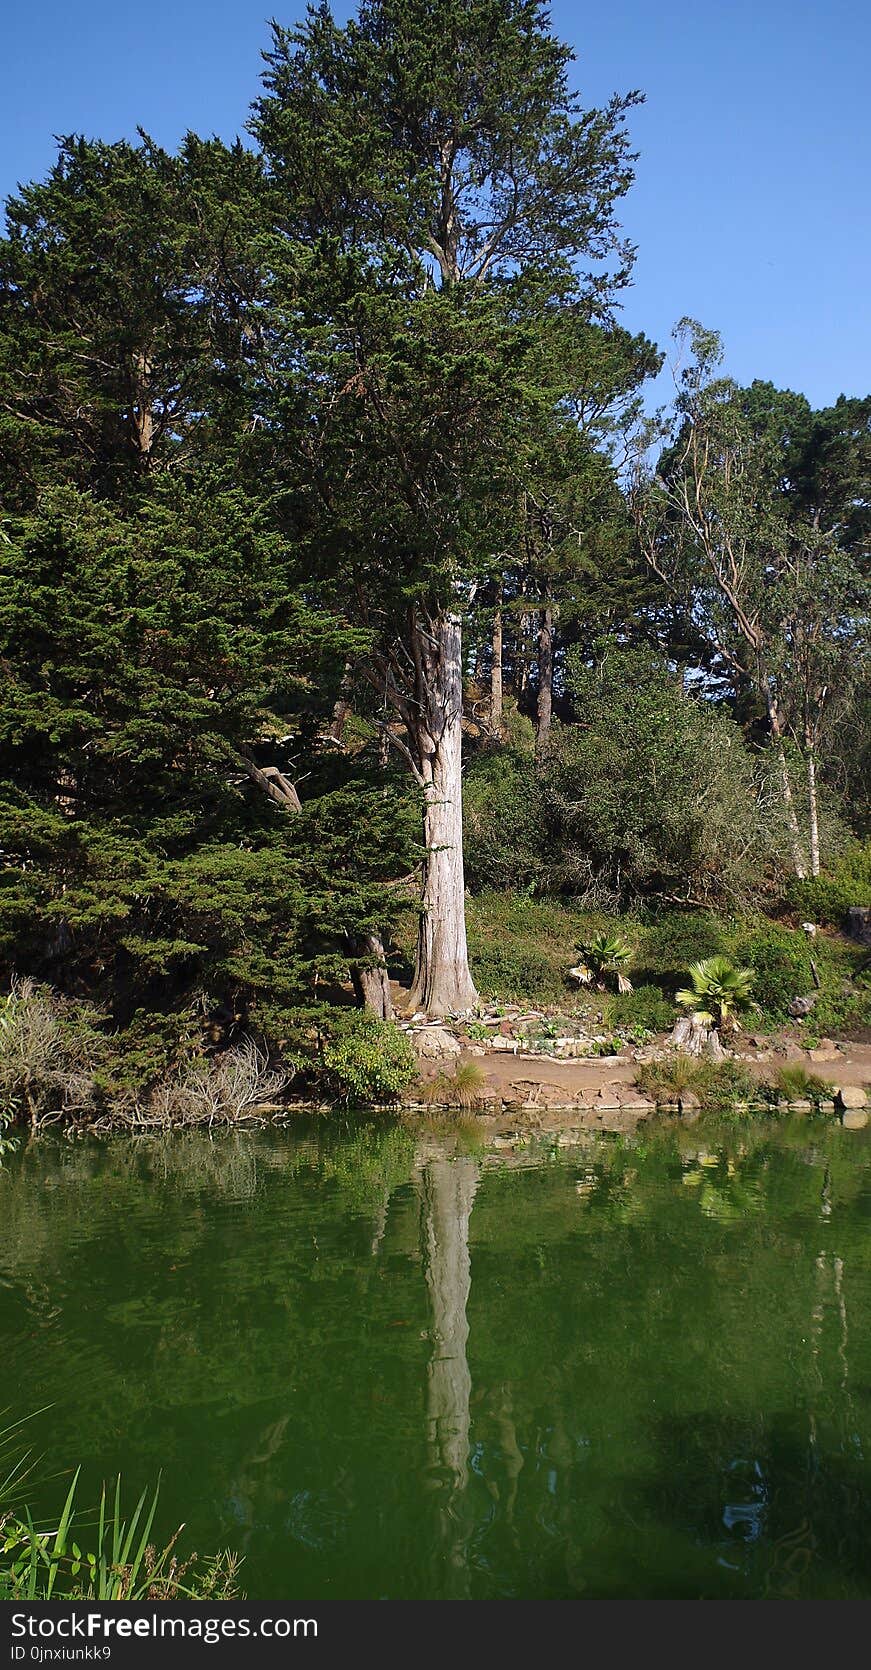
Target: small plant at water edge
x=124, y=1565
x=793, y=1083
x=366, y=1060
x=460, y=1088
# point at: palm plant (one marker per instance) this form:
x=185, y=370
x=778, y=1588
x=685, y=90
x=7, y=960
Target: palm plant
x=718, y=992
x=603, y=956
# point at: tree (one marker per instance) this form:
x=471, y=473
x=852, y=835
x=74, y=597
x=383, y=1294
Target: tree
x=442, y=180
x=652, y=792
x=753, y=519
x=122, y=278
x=154, y=850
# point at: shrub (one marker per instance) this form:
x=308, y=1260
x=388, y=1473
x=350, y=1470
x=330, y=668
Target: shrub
x=366, y=1060
x=781, y=964
x=795, y=1084
x=521, y=947
x=675, y=939
x=48, y=1053
x=217, y=1089
x=827, y=898
x=644, y=1007
x=717, y=1084
x=655, y=790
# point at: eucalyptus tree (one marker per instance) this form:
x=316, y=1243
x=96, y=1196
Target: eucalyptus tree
x=752, y=518
x=435, y=183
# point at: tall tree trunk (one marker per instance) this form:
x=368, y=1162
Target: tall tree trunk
x=798, y=860
x=776, y=727
x=813, y=812
x=442, y=982
x=496, y=665
x=544, y=712
x=342, y=705
x=370, y=979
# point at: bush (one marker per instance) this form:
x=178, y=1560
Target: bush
x=675, y=939
x=217, y=1089
x=521, y=947
x=781, y=962
x=795, y=1084
x=49, y=1051
x=366, y=1060
x=654, y=792
x=644, y=1007
x=827, y=898
x=717, y=1084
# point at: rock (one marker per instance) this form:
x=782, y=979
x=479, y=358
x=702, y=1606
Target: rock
x=851, y=1096
x=825, y=1051
x=800, y=1106
x=858, y=924
x=690, y=1107
x=607, y=1100
x=854, y=1119
x=432, y=1043
x=801, y=1006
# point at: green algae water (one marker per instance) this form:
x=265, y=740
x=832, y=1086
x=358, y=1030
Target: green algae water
x=379, y=1365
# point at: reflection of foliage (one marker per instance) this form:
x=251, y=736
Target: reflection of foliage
x=725, y=1191
x=367, y=1164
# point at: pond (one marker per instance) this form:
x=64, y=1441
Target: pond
x=384, y=1365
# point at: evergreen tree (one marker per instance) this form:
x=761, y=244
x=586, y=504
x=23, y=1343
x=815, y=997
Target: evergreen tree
x=442, y=181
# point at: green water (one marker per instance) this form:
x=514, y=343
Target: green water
x=376, y=1366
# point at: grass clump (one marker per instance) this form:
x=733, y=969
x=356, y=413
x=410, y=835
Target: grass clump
x=718, y=1085
x=123, y=1564
x=459, y=1088
x=793, y=1083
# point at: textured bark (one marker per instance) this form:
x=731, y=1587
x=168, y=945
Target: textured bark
x=795, y=845
x=813, y=814
x=544, y=711
x=442, y=982
x=342, y=706
x=496, y=666
x=693, y=1037
x=370, y=979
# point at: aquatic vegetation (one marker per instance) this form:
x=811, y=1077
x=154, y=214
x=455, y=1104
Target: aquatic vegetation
x=47, y=1563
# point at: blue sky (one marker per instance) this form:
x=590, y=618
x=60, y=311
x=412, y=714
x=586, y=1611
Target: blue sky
x=750, y=209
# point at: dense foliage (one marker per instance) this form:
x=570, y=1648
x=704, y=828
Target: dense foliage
x=315, y=516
